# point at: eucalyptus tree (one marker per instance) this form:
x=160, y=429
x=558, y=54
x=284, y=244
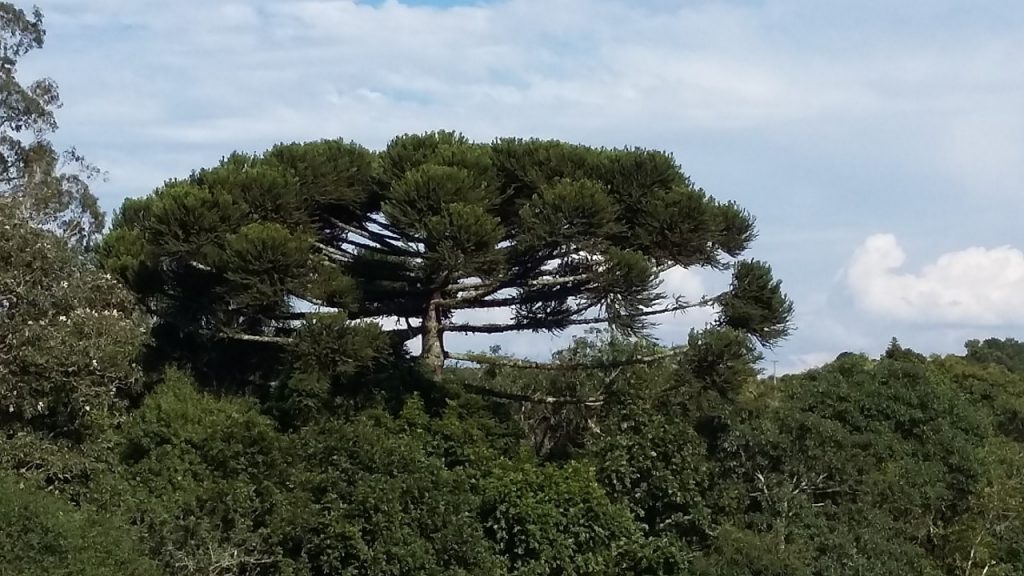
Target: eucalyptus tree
x=49, y=187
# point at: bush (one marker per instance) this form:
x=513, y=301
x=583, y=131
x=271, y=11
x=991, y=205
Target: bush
x=40, y=535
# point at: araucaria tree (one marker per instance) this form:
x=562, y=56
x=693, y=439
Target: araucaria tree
x=435, y=224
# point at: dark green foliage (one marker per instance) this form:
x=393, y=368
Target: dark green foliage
x=991, y=386
x=337, y=455
x=354, y=462
x=756, y=305
x=202, y=478
x=216, y=489
x=335, y=363
x=57, y=465
x=431, y=225
x=719, y=361
x=890, y=454
x=896, y=465
x=745, y=553
x=659, y=467
x=555, y=520
x=40, y=535
x=285, y=432
x=370, y=498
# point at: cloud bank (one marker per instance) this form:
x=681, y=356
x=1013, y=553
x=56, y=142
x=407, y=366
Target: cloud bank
x=973, y=287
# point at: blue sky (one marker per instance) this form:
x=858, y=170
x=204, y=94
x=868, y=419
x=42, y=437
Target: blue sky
x=879, y=144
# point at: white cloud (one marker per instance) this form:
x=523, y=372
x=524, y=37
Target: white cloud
x=220, y=76
x=975, y=286
x=683, y=282
x=688, y=284
x=803, y=362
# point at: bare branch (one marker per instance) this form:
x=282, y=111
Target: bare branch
x=531, y=365
x=483, y=289
x=385, y=244
x=534, y=399
x=200, y=266
x=398, y=234
x=407, y=333
x=473, y=302
x=484, y=286
x=382, y=250
x=339, y=255
x=279, y=340
x=563, y=323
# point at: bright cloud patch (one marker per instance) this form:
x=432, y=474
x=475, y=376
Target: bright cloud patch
x=975, y=286
x=684, y=282
x=802, y=362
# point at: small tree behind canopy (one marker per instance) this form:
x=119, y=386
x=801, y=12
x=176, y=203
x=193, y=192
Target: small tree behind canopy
x=435, y=224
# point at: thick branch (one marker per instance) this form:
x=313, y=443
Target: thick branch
x=385, y=245
x=398, y=234
x=338, y=255
x=526, y=297
x=279, y=340
x=563, y=323
x=382, y=250
x=482, y=290
x=399, y=334
x=532, y=276
x=536, y=283
x=405, y=334
x=531, y=365
x=200, y=266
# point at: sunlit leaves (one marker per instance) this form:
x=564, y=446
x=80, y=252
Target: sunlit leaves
x=70, y=336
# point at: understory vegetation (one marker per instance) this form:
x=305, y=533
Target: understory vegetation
x=356, y=463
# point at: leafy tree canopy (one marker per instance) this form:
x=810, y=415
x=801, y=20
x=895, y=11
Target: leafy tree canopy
x=1008, y=353
x=432, y=225
x=70, y=335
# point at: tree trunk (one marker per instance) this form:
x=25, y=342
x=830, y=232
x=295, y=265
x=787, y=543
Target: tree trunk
x=432, y=350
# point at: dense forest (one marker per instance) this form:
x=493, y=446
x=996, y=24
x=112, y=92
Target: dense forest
x=246, y=374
